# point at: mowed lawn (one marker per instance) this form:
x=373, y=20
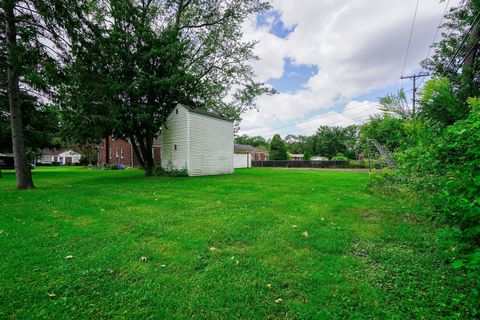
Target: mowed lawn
x=258, y=244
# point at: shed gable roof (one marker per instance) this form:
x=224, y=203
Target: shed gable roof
x=204, y=113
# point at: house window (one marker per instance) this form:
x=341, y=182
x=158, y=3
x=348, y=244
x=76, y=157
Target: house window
x=175, y=147
x=121, y=153
x=176, y=111
x=110, y=153
x=117, y=153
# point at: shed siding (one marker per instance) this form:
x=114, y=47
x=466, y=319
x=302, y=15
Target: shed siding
x=175, y=132
x=211, y=145
x=242, y=160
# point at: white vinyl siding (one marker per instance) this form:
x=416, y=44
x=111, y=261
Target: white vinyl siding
x=175, y=132
x=200, y=143
x=211, y=145
x=242, y=160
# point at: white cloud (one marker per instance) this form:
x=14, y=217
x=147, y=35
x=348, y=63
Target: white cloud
x=357, y=45
x=355, y=112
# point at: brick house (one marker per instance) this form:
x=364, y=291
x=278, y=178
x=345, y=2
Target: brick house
x=260, y=155
x=119, y=151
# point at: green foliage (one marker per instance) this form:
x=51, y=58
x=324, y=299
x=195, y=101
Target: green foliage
x=396, y=105
x=340, y=157
x=278, y=148
x=170, y=171
x=126, y=76
x=329, y=141
x=443, y=166
x=307, y=155
x=456, y=24
x=255, y=141
x=440, y=104
x=386, y=129
x=299, y=144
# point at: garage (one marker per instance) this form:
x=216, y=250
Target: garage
x=242, y=157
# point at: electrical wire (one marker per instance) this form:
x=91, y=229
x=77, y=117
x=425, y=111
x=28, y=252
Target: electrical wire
x=410, y=38
x=355, y=117
x=462, y=43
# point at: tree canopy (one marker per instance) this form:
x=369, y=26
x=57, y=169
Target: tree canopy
x=278, y=148
x=133, y=61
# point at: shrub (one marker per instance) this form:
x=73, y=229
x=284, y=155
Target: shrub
x=170, y=171
x=340, y=157
x=278, y=148
x=444, y=167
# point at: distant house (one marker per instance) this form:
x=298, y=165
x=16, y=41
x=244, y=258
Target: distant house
x=260, y=155
x=296, y=156
x=119, y=151
x=6, y=161
x=243, y=155
x=59, y=156
x=199, y=141
x=318, y=158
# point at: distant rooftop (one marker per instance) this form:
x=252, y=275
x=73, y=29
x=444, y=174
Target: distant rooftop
x=243, y=148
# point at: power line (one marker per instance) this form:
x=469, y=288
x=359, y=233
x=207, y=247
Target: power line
x=312, y=120
x=438, y=28
x=467, y=55
x=462, y=43
x=410, y=37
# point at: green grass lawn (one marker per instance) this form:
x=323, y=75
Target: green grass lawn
x=221, y=247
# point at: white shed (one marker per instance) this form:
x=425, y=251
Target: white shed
x=199, y=141
x=242, y=156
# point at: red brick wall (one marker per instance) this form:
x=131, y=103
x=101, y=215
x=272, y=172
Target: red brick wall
x=156, y=155
x=261, y=156
x=116, y=146
x=127, y=160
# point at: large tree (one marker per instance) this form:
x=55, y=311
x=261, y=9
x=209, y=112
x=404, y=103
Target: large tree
x=29, y=47
x=299, y=144
x=330, y=141
x=278, y=148
x=132, y=61
x=254, y=141
x=456, y=55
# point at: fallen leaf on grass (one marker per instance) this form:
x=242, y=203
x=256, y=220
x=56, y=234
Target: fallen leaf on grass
x=143, y=259
x=213, y=248
x=51, y=294
x=69, y=257
x=278, y=300
x=269, y=285
x=305, y=234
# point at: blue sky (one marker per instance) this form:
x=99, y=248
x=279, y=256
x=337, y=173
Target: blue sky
x=331, y=60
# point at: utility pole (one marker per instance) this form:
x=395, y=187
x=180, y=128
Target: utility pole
x=414, y=77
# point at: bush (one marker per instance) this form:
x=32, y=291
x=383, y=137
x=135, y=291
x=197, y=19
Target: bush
x=170, y=171
x=385, y=181
x=340, y=157
x=445, y=169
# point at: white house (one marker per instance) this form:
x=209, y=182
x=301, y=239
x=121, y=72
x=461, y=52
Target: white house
x=62, y=156
x=198, y=141
x=242, y=156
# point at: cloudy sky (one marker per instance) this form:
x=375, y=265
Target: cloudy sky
x=331, y=59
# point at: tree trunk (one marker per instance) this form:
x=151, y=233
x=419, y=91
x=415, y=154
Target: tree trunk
x=148, y=156
x=22, y=168
x=137, y=153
